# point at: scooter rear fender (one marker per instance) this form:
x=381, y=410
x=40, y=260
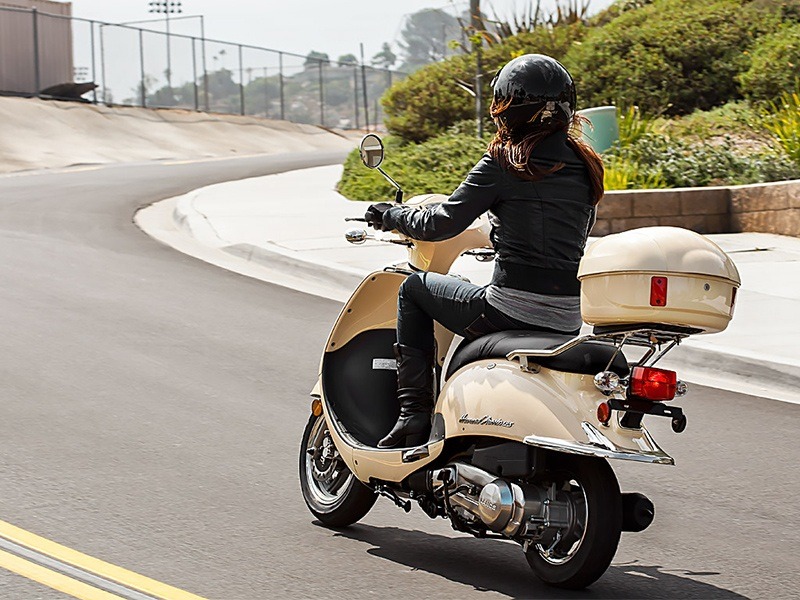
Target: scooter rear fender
x=548, y=409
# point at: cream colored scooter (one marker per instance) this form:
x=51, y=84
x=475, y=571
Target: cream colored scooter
x=524, y=421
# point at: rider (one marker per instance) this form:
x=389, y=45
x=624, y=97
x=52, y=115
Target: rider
x=541, y=184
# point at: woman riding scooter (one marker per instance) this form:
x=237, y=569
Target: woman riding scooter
x=541, y=184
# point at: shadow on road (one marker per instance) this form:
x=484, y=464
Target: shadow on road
x=494, y=565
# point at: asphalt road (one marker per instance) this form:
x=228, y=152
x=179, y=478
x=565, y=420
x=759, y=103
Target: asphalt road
x=152, y=407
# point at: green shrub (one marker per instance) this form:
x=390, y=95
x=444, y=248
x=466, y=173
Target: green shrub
x=671, y=56
x=737, y=117
x=429, y=101
x=774, y=66
x=633, y=125
x=783, y=121
x=436, y=166
x=625, y=174
x=695, y=164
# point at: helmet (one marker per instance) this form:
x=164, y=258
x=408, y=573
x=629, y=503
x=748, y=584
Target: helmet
x=535, y=88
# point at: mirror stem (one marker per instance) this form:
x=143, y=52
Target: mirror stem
x=398, y=197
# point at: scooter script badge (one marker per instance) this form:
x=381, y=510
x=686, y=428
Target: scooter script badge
x=485, y=420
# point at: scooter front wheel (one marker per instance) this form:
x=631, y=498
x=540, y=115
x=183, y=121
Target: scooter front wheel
x=331, y=491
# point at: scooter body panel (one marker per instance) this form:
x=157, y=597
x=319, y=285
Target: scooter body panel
x=551, y=409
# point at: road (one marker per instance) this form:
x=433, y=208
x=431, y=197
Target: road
x=153, y=404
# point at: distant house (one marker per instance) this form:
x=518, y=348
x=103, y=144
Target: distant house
x=21, y=70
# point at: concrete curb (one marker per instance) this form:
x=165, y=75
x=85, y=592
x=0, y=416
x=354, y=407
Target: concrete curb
x=331, y=276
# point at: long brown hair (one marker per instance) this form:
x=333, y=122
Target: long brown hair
x=512, y=146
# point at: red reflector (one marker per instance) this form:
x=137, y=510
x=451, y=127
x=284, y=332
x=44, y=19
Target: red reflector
x=653, y=384
x=658, y=291
x=604, y=413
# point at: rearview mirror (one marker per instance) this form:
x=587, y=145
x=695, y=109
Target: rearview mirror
x=371, y=149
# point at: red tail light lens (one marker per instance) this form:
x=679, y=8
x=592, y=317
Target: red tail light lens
x=653, y=384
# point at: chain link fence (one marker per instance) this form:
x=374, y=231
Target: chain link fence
x=132, y=66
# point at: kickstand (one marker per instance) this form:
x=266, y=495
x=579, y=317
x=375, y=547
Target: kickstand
x=389, y=493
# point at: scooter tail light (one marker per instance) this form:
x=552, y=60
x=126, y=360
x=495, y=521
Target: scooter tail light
x=653, y=384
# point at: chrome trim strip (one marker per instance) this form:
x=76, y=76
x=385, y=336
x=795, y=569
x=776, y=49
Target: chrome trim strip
x=599, y=445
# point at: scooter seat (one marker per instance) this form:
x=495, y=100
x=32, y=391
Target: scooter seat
x=587, y=358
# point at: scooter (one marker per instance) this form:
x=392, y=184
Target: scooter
x=525, y=422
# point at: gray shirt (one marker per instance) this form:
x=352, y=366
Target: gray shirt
x=562, y=313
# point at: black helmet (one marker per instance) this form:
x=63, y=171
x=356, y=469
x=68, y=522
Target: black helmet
x=534, y=86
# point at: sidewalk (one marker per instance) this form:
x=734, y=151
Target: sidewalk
x=294, y=223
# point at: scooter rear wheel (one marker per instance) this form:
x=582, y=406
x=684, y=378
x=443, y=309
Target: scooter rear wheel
x=330, y=490
x=585, y=552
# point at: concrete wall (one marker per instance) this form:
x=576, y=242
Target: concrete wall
x=17, y=64
x=766, y=208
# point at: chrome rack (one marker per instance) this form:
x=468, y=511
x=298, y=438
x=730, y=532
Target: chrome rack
x=652, y=337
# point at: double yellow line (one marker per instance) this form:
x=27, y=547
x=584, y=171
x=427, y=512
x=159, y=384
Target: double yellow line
x=46, y=572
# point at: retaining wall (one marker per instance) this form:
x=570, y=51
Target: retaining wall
x=766, y=208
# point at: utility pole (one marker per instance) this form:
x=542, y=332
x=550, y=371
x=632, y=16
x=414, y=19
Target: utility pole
x=476, y=24
x=168, y=7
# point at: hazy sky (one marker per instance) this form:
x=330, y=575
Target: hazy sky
x=332, y=26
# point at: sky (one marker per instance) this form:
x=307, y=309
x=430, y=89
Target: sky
x=335, y=27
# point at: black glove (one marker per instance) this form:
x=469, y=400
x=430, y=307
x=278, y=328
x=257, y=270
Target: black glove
x=374, y=215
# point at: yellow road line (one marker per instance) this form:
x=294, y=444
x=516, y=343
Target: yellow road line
x=52, y=579
x=93, y=565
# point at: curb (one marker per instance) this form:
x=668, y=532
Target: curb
x=332, y=276
x=735, y=373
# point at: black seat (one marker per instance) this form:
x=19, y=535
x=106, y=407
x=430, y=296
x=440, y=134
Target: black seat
x=588, y=358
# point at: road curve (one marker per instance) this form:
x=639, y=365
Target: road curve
x=152, y=407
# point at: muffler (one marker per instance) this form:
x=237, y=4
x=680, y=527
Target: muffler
x=637, y=512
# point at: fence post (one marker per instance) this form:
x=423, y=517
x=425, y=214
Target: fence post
x=241, y=81
x=37, y=84
x=141, y=68
x=364, y=89
x=321, y=96
x=280, y=81
x=355, y=93
x=266, y=94
x=194, y=75
x=203, y=53
x=94, y=74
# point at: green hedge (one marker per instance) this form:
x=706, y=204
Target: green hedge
x=671, y=162
x=429, y=101
x=670, y=56
x=774, y=66
x=436, y=166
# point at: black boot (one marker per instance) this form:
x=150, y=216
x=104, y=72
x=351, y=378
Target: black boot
x=415, y=394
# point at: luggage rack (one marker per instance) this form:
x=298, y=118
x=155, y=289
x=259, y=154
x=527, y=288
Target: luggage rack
x=648, y=335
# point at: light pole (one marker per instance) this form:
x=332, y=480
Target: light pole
x=167, y=8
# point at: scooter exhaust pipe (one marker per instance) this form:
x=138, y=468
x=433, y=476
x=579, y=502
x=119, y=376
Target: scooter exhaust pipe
x=637, y=512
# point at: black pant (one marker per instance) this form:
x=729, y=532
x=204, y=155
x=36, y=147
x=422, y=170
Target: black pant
x=460, y=306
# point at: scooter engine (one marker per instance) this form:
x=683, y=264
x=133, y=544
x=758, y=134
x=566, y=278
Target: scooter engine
x=528, y=512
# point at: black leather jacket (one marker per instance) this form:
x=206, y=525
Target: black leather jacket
x=539, y=228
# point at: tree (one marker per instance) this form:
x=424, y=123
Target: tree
x=347, y=60
x=384, y=59
x=313, y=58
x=425, y=36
